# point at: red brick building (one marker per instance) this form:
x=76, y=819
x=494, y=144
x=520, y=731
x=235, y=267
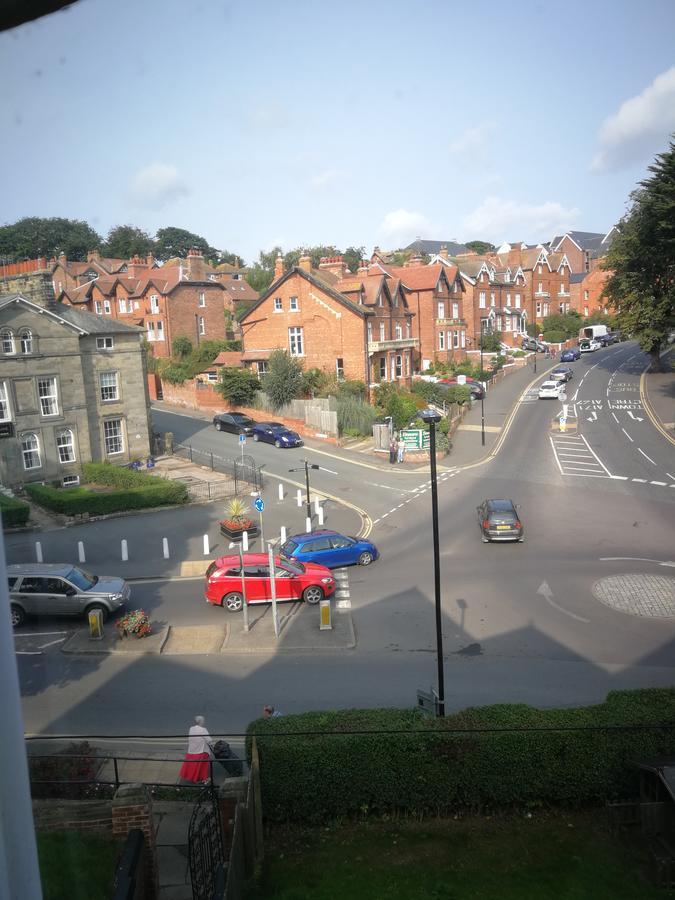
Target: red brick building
x=497, y=298
x=547, y=278
x=586, y=289
x=583, y=249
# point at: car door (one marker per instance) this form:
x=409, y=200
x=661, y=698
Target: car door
x=285, y=583
x=320, y=551
x=66, y=600
x=345, y=552
x=267, y=435
x=226, y=423
x=257, y=583
x=35, y=596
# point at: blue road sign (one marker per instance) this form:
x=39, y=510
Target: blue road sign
x=242, y=438
x=259, y=504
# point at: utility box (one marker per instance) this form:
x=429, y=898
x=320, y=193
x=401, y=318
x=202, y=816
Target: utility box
x=95, y=618
x=325, y=623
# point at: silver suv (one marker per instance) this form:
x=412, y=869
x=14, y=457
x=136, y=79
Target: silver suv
x=61, y=589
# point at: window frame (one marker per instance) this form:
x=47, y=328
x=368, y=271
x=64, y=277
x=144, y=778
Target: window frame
x=5, y=405
x=154, y=304
x=107, y=423
x=102, y=388
x=26, y=336
x=30, y=450
x=278, y=305
x=101, y=343
x=70, y=444
x=293, y=305
x=296, y=345
x=201, y=326
x=6, y=334
x=53, y=397
x=201, y=299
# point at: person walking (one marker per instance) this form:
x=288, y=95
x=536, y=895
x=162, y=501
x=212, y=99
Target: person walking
x=269, y=712
x=400, y=450
x=392, y=450
x=195, y=768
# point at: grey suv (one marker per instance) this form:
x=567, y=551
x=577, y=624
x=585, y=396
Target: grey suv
x=530, y=343
x=38, y=589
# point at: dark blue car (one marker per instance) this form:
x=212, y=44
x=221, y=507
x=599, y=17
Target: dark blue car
x=330, y=549
x=570, y=355
x=277, y=434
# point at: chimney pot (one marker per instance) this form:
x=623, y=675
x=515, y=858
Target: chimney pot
x=278, y=266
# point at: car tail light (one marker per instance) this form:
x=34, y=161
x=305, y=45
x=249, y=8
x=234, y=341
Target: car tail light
x=517, y=524
x=486, y=523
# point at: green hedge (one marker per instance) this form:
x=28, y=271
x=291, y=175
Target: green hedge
x=424, y=765
x=135, y=490
x=13, y=512
x=555, y=337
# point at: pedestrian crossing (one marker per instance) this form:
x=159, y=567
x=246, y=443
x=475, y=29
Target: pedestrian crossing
x=574, y=456
x=342, y=593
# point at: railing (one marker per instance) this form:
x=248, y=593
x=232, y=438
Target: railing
x=396, y=344
x=243, y=470
x=450, y=322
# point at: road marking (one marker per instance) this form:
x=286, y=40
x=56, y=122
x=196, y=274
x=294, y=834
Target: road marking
x=628, y=436
x=615, y=418
x=51, y=643
x=545, y=591
x=660, y=483
x=660, y=562
x=635, y=418
x=620, y=477
x=28, y=653
x=590, y=449
x=640, y=480
x=672, y=477
x=41, y=633
x=592, y=417
x=646, y=457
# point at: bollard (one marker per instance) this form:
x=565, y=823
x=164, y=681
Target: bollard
x=321, y=515
x=80, y=551
x=125, y=550
x=283, y=534
x=281, y=491
x=317, y=505
x=165, y=547
x=308, y=524
x=38, y=551
x=244, y=541
x=299, y=497
x=206, y=545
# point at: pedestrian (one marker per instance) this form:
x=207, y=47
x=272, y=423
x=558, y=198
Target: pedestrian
x=196, y=766
x=392, y=450
x=269, y=712
x=400, y=450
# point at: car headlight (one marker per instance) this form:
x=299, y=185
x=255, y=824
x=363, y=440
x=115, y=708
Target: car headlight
x=117, y=598
x=326, y=581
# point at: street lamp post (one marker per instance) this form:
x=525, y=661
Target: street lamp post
x=432, y=418
x=307, y=467
x=482, y=393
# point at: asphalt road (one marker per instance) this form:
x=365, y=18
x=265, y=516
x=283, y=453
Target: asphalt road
x=524, y=622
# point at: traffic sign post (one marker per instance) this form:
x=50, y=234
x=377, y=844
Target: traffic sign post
x=242, y=444
x=259, y=504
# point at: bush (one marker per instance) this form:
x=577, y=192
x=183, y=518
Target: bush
x=555, y=337
x=492, y=342
x=13, y=512
x=283, y=381
x=66, y=774
x=181, y=346
x=354, y=417
x=494, y=756
x=238, y=386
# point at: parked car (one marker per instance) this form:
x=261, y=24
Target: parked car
x=330, y=549
x=277, y=434
x=588, y=346
x=570, y=355
x=293, y=581
x=562, y=373
x=610, y=338
x=530, y=343
x=62, y=589
x=499, y=521
x=234, y=422
x=476, y=389
x=551, y=390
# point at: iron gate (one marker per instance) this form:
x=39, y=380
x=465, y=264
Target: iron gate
x=245, y=469
x=205, y=848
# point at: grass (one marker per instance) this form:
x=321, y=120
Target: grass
x=546, y=857
x=76, y=866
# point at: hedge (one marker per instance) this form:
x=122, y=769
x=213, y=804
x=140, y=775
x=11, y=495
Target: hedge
x=386, y=761
x=13, y=512
x=555, y=337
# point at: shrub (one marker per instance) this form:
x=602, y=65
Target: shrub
x=494, y=756
x=354, y=417
x=65, y=774
x=181, y=346
x=492, y=342
x=238, y=386
x=14, y=513
x=555, y=337
x=283, y=381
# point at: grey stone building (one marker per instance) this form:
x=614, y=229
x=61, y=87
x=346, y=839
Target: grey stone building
x=73, y=389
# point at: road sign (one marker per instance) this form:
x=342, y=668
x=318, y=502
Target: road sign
x=259, y=504
x=242, y=438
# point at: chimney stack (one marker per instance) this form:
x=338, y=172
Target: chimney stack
x=93, y=256
x=443, y=251
x=278, y=266
x=305, y=263
x=363, y=267
x=195, y=265
x=334, y=264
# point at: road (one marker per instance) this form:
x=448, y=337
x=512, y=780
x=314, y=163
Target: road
x=584, y=605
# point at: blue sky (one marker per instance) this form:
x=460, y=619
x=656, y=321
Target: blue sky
x=259, y=123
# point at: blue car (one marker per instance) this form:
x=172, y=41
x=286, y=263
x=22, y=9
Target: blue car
x=330, y=549
x=277, y=434
x=570, y=355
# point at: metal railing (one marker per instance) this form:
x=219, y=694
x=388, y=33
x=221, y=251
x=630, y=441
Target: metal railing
x=243, y=470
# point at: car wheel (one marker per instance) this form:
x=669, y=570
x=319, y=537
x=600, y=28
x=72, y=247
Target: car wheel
x=277, y=444
x=313, y=594
x=256, y=437
x=219, y=427
x=18, y=616
x=233, y=602
x=94, y=607
x=365, y=558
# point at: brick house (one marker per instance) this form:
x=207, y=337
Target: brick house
x=547, y=278
x=583, y=249
x=352, y=327
x=497, y=299
x=586, y=289
x=70, y=274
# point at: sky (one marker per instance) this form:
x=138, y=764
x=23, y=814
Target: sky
x=259, y=123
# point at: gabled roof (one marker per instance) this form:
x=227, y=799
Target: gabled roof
x=318, y=283
x=584, y=240
x=418, y=278
x=82, y=322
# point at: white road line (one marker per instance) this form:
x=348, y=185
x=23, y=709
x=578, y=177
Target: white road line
x=584, y=475
x=39, y=634
x=628, y=436
x=672, y=477
x=595, y=455
x=660, y=483
x=582, y=469
x=640, y=480
x=555, y=454
x=51, y=643
x=576, y=393
x=620, y=477
x=615, y=419
x=646, y=457
x=28, y=653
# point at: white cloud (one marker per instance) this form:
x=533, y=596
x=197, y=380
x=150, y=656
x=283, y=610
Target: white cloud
x=156, y=186
x=325, y=179
x=472, y=145
x=497, y=220
x=401, y=227
x=640, y=128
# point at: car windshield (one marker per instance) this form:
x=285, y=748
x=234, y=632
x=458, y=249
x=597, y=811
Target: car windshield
x=242, y=420
x=81, y=579
x=289, y=548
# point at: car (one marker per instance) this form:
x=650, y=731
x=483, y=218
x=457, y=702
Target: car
x=499, y=521
x=62, y=589
x=562, y=373
x=589, y=345
x=570, y=355
x=293, y=581
x=329, y=548
x=234, y=422
x=610, y=338
x=551, y=390
x=476, y=389
x=530, y=343
x=277, y=434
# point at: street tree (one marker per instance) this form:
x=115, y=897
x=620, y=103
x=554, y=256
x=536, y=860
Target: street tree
x=125, y=241
x=353, y=257
x=641, y=260
x=32, y=237
x=237, y=386
x=283, y=381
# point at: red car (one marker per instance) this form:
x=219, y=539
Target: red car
x=294, y=581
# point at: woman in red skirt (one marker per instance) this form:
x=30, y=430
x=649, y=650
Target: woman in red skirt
x=196, y=766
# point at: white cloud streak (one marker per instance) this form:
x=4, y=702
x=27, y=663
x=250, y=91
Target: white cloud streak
x=401, y=227
x=497, y=219
x=157, y=186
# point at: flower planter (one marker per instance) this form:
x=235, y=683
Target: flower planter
x=234, y=533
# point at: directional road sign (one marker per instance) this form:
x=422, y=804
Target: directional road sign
x=259, y=504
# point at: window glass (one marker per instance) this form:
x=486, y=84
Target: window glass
x=7, y=341
x=81, y=579
x=289, y=548
x=4, y=403
x=66, y=446
x=11, y=581
x=30, y=450
x=108, y=383
x=49, y=405
x=321, y=544
x=112, y=435
x=34, y=585
x=26, y=342
x=340, y=541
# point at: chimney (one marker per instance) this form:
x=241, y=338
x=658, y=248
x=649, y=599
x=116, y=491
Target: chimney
x=195, y=265
x=93, y=256
x=42, y=262
x=305, y=263
x=334, y=264
x=363, y=267
x=278, y=266
x=63, y=259
x=136, y=266
x=443, y=251
x=150, y=260
x=414, y=261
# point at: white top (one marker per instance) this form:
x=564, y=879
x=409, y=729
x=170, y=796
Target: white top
x=198, y=740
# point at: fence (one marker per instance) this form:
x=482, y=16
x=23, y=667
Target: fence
x=244, y=470
x=319, y=413
x=246, y=850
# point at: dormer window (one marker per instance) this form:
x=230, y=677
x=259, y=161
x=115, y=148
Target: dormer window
x=399, y=332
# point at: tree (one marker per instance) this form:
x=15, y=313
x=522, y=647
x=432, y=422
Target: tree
x=569, y=323
x=125, y=241
x=238, y=386
x=480, y=247
x=181, y=346
x=641, y=260
x=283, y=381
x=492, y=341
x=353, y=257
x=172, y=241
x=32, y=237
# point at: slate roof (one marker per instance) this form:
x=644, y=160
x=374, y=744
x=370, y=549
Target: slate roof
x=83, y=321
x=419, y=278
x=435, y=247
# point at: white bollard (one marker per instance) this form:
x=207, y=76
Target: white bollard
x=299, y=497
x=38, y=551
x=244, y=541
x=165, y=547
x=317, y=505
x=206, y=545
x=308, y=524
x=321, y=515
x=281, y=491
x=80, y=551
x=283, y=534
x=125, y=550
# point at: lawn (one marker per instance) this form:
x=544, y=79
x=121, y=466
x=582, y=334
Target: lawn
x=561, y=857
x=77, y=866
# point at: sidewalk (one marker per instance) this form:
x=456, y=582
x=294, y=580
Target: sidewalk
x=660, y=391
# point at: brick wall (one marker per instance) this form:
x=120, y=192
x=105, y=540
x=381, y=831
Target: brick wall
x=182, y=305
x=36, y=287
x=132, y=808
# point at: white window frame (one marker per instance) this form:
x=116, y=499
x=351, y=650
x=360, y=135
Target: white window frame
x=98, y=307
x=382, y=334
x=383, y=368
x=201, y=299
x=463, y=339
x=26, y=340
x=455, y=310
x=65, y=445
x=108, y=387
x=113, y=438
x=492, y=298
x=105, y=343
x=540, y=286
x=201, y=325
x=293, y=304
x=340, y=369
x=398, y=331
x=278, y=305
x=160, y=329
x=262, y=367
x=5, y=409
x=106, y=307
x=481, y=300
x=150, y=331
x=296, y=341
x=455, y=339
x=154, y=303
x=48, y=395
x=517, y=300
x=539, y=307
x=398, y=365
x=369, y=329
x=122, y=305
x=28, y=452
x=7, y=341
x=441, y=340
x=441, y=309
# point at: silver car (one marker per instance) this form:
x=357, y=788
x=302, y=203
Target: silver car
x=61, y=589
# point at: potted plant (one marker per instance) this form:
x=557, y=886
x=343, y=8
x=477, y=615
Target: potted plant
x=135, y=622
x=237, y=520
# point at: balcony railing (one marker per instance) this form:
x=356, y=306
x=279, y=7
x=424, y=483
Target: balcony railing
x=450, y=322
x=397, y=344
x=542, y=294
